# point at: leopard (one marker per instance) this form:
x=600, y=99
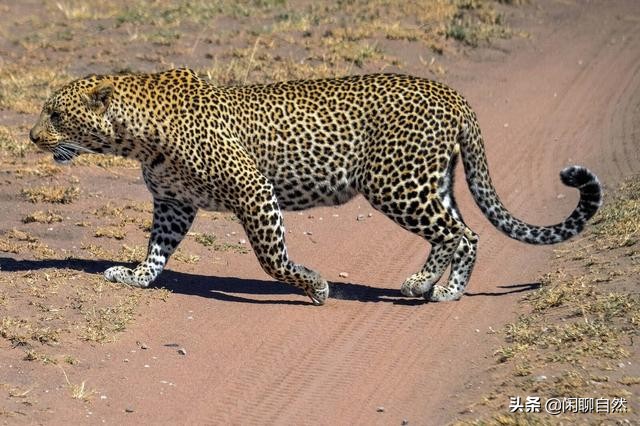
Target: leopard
x=257, y=150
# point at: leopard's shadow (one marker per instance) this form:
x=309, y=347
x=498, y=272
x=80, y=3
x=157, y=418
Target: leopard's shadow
x=228, y=288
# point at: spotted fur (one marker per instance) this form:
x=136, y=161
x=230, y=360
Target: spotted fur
x=257, y=150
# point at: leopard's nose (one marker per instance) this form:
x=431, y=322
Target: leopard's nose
x=33, y=136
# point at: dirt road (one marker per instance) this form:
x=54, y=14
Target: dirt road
x=258, y=353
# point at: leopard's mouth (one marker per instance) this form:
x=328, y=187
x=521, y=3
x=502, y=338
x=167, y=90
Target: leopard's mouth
x=63, y=154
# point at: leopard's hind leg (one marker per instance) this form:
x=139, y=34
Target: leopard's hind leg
x=446, y=235
x=424, y=212
x=464, y=257
x=462, y=264
x=426, y=207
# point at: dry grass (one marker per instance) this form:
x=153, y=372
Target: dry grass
x=18, y=235
x=33, y=355
x=187, y=258
x=51, y=194
x=103, y=322
x=49, y=308
x=43, y=168
x=236, y=70
x=516, y=419
x=475, y=22
x=7, y=246
x=42, y=217
x=128, y=254
x=340, y=38
x=183, y=257
x=170, y=14
x=629, y=380
x=16, y=241
x=18, y=393
x=618, y=225
x=11, y=144
x=585, y=317
x=110, y=232
x=21, y=331
x=594, y=319
x=78, y=391
x=110, y=210
x=24, y=89
x=81, y=10
x=211, y=241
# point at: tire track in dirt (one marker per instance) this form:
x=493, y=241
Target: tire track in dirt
x=622, y=122
x=335, y=369
x=599, y=104
x=373, y=329
x=355, y=341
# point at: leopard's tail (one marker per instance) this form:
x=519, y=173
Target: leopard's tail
x=484, y=194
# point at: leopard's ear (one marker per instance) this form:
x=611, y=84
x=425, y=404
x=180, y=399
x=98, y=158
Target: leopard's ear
x=98, y=97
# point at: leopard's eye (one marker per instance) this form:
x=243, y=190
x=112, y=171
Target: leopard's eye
x=55, y=116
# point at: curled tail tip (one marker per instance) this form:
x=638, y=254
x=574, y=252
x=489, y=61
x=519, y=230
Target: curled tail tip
x=588, y=184
x=578, y=176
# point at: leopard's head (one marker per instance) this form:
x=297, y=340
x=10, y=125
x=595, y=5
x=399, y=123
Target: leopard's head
x=75, y=120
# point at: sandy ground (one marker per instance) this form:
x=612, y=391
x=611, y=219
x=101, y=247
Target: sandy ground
x=258, y=353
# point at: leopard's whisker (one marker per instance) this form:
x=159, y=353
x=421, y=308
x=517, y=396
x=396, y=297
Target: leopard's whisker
x=78, y=147
x=101, y=138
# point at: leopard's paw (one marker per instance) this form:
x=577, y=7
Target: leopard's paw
x=442, y=294
x=319, y=294
x=124, y=275
x=416, y=285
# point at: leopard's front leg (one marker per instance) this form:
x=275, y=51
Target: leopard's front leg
x=171, y=221
x=263, y=223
